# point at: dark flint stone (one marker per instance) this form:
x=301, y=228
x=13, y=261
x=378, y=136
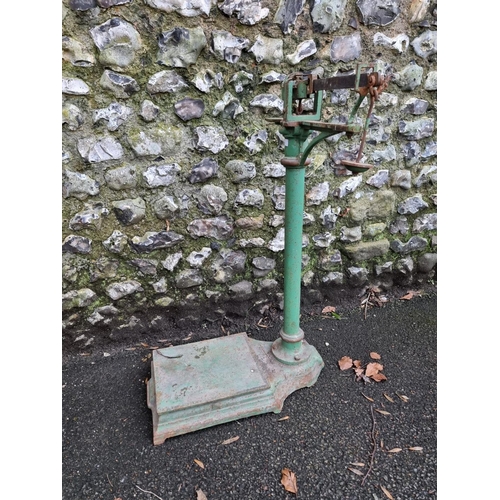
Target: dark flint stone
x=77, y=244
x=128, y=84
x=376, y=13
x=353, y=23
x=155, y=241
x=204, y=170
x=82, y=4
x=105, y=4
x=188, y=108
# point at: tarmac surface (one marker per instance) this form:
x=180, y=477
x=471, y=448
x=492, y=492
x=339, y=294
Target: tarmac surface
x=343, y=438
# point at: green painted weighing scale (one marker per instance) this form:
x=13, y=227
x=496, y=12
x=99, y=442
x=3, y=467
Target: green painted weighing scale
x=211, y=382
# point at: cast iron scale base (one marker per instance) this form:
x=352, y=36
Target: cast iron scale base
x=198, y=385
x=215, y=381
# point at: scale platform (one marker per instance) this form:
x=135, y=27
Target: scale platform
x=211, y=382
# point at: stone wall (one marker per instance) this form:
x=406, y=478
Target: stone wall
x=172, y=186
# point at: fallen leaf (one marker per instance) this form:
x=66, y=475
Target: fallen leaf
x=199, y=463
x=357, y=464
x=395, y=450
x=386, y=396
x=382, y=412
x=373, y=369
x=144, y=345
x=200, y=495
x=231, y=440
x=378, y=377
x=356, y=471
x=283, y=418
x=345, y=363
x=328, y=309
x=405, y=399
x=415, y=448
x=386, y=492
x=409, y=295
x=374, y=355
x=357, y=363
x=289, y=480
x=358, y=371
x=369, y=399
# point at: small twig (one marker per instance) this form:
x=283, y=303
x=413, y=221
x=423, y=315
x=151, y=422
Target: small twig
x=367, y=301
x=374, y=443
x=150, y=492
x=111, y=484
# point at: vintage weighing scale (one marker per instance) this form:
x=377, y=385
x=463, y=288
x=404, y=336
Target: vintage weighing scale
x=211, y=382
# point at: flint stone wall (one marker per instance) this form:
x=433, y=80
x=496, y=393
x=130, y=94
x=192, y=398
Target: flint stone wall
x=172, y=186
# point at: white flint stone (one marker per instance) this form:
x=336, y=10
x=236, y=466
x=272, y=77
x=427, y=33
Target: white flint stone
x=205, y=80
x=267, y=50
x=171, y=261
x=118, y=290
x=228, y=102
x=96, y=150
x=431, y=81
x=248, y=12
x=74, y=86
x=399, y=42
x=166, y=81
x=211, y=139
x=118, y=42
x=186, y=8
x=76, y=53
x=304, y=49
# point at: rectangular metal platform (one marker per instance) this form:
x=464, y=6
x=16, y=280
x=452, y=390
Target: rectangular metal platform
x=198, y=385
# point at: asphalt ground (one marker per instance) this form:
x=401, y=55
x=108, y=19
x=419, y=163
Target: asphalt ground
x=336, y=427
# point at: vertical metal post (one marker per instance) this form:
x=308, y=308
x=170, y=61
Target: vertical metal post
x=294, y=214
x=290, y=347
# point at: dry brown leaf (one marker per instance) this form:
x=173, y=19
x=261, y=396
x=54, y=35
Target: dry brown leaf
x=409, y=295
x=373, y=369
x=199, y=463
x=382, y=412
x=386, y=492
x=200, y=495
x=358, y=371
x=345, y=363
x=386, y=396
x=395, y=450
x=369, y=399
x=231, y=440
x=356, y=471
x=378, y=377
x=357, y=363
x=374, y=355
x=415, y=448
x=403, y=398
x=283, y=418
x=357, y=464
x=328, y=309
x=289, y=480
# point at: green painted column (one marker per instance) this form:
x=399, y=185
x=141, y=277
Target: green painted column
x=294, y=214
x=290, y=347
